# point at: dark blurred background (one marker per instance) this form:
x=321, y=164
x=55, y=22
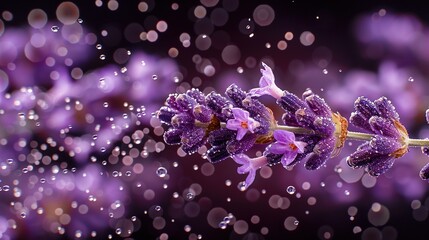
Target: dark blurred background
x=82, y=157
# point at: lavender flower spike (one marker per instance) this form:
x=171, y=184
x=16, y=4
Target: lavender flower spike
x=390, y=138
x=267, y=84
x=242, y=122
x=249, y=165
x=424, y=172
x=286, y=146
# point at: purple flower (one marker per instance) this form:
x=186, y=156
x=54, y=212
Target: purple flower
x=390, y=139
x=286, y=146
x=424, y=172
x=326, y=131
x=188, y=118
x=242, y=123
x=249, y=165
x=267, y=84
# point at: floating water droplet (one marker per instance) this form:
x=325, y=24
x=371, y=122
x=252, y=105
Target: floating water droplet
x=23, y=215
x=55, y=28
x=133, y=218
x=296, y=222
x=347, y=192
x=124, y=70
x=161, y=172
x=242, y=186
x=158, y=208
x=325, y=71
x=338, y=169
x=291, y=190
x=118, y=231
x=99, y=46
x=154, y=77
x=190, y=196
x=102, y=57
x=223, y=225
x=410, y=79
x=6, y=188
x=80, y=20
x=101, y=83
x=10, y=161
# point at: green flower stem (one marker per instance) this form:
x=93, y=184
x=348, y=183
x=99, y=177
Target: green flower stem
x=350, y=135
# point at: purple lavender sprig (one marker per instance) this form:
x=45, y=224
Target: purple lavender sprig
x=233, y=123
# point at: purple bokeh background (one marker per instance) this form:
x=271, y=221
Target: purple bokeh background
x=81, y=153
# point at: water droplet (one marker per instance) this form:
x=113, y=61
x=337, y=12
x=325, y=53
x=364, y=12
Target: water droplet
x=190, y=196
x=118, y=231
x=102, y=57
x=410, y=79
x=124, y=70
x=296, y=222
x=23, y=215
x=223, y=225
x=133, y=218
x=154, y=77
x=338, y=169
x=158, y=208
x=10, y=161
x=80, y=20
x=325, y=71
x=99, y=46
x=55, y=28
x=161, y=172
x=6, y=188
x=347, y=192
x=101, y=83
x=291, y=190
x=242, y=186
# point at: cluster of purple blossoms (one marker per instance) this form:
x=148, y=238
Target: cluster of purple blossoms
x=195, y=119
x=234, y=123
x=390, y=138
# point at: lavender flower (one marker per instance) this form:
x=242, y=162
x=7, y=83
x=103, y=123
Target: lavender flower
x=424, y=172
x=250, y=166
x=241, y=123
x=248, y=122
x=286, y=146
x=325, y=131
x=389, y=142
x=188, y=118
x=267, y=84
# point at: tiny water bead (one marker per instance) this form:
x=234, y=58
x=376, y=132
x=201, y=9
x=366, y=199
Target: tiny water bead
x=55, y=29
x=161, y=172
x=291, y=190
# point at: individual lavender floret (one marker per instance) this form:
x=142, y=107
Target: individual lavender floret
x=188, y=119
x=267, y=84
x=286, y=146
x=390, y=139
x=325, y=131
x=250, y=166
x=242, y=123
